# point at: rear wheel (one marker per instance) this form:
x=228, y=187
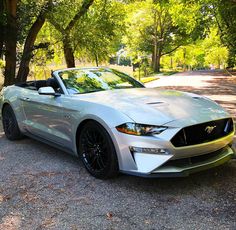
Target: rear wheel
x=97, y=151
x=10, y=125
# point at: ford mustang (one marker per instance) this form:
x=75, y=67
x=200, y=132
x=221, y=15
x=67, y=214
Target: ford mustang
x=115, y=124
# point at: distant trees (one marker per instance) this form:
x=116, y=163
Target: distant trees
x=95, y=29
x=222, y=14
x=225, y=14
x=201, y=54
x=160, y=27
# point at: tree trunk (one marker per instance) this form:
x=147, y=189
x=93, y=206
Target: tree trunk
x=184, y=56
x=155, y=41
x=67, y=47
x=96, y=58
x=28, y=48
x=11, y=34
x=1, y=41
x=2, y=28
x=68, y=52
x=157, y=59
x=154, y=58
x=158, y=64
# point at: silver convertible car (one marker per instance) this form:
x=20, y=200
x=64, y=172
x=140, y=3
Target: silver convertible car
x=115, y=124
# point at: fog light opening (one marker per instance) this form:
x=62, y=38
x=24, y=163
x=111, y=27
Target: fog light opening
x=159, y=151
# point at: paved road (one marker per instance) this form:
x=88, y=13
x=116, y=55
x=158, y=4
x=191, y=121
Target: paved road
x=44, y=188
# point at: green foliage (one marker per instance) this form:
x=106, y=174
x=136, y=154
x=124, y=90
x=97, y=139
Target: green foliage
x=2, y=64
x=184, y=34
x=26, y=14
x=215, y=53
x=204, y=53
x=98, y=35
x=160, y=27
x=95, y=37
x=227, y=27
x=223, y=14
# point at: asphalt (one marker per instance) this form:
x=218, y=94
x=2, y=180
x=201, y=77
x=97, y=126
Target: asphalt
x=44, y=188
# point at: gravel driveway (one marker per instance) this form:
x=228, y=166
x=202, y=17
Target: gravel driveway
x=44, y=188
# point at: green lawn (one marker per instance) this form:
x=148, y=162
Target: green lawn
x=148, y=79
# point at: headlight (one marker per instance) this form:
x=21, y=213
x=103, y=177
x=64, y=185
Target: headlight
x=140, y=129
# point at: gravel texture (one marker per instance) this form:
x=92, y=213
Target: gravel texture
x=44, y=188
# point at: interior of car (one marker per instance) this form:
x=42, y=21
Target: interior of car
x=35, y=85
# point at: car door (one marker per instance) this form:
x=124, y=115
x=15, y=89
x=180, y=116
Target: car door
x=43, y=116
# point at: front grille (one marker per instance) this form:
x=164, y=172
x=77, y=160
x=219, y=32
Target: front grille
x=204, y=132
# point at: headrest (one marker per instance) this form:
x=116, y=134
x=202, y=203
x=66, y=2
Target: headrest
x=53, y=83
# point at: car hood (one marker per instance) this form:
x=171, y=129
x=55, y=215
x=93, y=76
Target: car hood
x=159, y=107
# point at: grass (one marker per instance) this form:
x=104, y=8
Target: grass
x=168, y=73
x=148, y=79
x=126, y=69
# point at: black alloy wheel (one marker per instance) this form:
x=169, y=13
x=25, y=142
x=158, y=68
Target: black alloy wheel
x=97, y=151
x=10, y=125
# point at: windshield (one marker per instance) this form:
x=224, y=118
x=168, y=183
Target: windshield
x=79, y=81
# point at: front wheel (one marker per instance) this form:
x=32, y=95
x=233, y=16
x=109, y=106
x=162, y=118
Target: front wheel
x=97, y=151
x=10, y=125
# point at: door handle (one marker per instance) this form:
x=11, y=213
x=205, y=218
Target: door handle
x=26, y=99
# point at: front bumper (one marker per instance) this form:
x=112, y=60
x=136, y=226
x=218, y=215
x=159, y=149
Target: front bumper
x=180, y=161
x=185, y=169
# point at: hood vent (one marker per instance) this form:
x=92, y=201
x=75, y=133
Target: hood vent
x=155, y=103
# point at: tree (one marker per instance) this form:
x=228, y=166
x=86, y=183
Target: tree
x=2, y=27
x=203, y=53
x=215, y=53
x=29, y=42
x=223, y=14
x=99, y=34
x=159, y=27
x=65, y=31
x=226, y=20
x=10, y=42
x=13, y=20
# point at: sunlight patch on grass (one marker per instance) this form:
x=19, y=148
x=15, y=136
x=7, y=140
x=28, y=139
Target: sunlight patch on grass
x=125, y=69
x=148, y=79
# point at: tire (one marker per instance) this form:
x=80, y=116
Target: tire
x=97, y=151
x=10, y=125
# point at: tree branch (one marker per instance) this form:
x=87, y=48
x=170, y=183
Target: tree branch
x=84, y=8
x=171, y=50
x=29, y=43
x=56, y=25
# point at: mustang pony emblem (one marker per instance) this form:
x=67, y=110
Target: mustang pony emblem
x=209, y=129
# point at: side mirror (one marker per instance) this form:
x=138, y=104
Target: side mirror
x=48, y=91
